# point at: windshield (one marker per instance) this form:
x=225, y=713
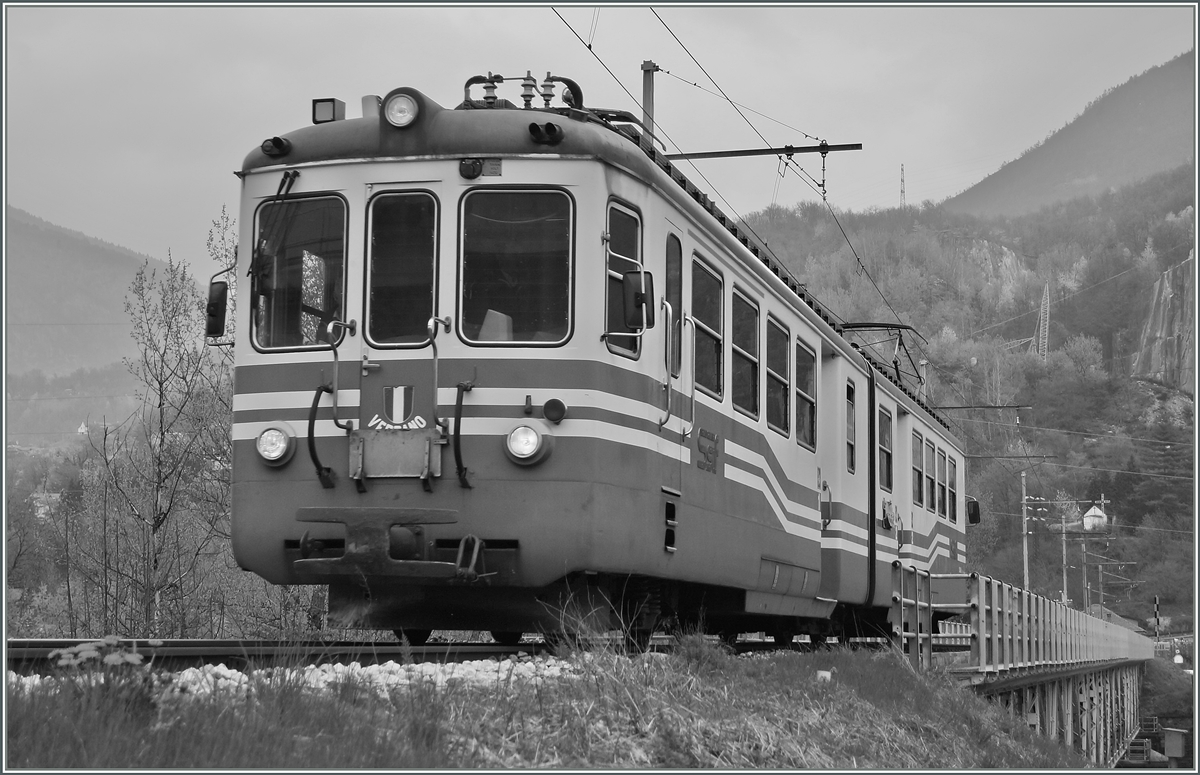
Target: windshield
x=516, y=267
x=299, y=265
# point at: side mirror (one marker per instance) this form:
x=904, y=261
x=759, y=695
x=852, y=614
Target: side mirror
x=972, y=511
x=638, y=287
x=218, y=297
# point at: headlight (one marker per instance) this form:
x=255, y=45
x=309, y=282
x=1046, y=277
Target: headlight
x=524, y=441
x=526, y=445
x=275, y=444
x=400, y=110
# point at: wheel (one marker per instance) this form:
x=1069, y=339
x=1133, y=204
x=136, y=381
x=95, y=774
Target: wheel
x=729, y=637
x=414, y=637
x=505, y=638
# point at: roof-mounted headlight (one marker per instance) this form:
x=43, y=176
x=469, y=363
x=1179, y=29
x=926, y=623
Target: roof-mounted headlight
x=401, y=110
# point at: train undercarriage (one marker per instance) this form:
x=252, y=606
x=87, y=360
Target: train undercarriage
x=580, y=606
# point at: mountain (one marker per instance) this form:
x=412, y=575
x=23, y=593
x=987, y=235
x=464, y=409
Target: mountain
x=64, y=305
x=1144, y=126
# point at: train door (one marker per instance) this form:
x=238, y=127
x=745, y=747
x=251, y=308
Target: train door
x=398, y=435
x=674, y=425
x=841, y=449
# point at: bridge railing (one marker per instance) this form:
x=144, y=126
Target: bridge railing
x=1007, y=628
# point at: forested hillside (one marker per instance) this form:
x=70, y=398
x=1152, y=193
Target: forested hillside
x=973, y=289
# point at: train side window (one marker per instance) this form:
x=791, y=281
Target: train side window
x=745, y=354
x=707, y=312
x=298, y=272
x=952, y=482
x=777, y=376
x=516, y=267
x=675, y=299
x=624, y=255
x=850, y=429
x=401, y=265
x=941, y=482
x=930, y=476
x=885, y=449
x=806, y=396
x=918, y=470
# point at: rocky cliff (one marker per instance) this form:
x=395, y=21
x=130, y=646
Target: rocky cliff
x=1166, y=351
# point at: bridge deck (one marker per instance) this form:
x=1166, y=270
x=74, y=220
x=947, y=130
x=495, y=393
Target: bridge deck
x=1072, y=676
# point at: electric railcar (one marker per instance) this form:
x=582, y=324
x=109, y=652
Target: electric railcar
x=500, y=362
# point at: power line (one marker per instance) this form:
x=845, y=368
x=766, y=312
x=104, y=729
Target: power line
x=1121, y=471
x=668, y=139
x=1110, y=537
x=740, y=105
x=1080, y=433
x=710, y=78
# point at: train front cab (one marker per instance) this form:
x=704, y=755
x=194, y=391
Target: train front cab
x=395, y=475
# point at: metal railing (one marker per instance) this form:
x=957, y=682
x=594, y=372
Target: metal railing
x=1138, y=751
x=1008, y=628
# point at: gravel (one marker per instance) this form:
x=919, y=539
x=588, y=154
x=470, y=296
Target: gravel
x=213, y=679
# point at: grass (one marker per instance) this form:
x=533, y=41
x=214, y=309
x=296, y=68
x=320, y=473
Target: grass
x=699, y=707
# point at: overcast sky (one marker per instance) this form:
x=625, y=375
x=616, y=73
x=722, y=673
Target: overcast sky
x=126, y=123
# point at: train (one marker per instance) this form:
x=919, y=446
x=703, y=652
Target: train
x=501, y=367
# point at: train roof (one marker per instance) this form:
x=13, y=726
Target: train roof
x=498, y=128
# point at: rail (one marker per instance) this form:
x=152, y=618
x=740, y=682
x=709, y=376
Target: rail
x=1008, y=629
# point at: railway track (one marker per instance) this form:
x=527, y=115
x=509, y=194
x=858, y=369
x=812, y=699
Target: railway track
x=32, y=656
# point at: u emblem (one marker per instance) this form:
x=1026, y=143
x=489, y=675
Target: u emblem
x=398, y=404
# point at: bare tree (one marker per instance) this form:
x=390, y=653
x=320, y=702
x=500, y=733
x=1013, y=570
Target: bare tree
x=159, y=491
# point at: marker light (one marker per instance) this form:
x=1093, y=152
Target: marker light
x=328, y=109
x=275, y=444
x=400, y=110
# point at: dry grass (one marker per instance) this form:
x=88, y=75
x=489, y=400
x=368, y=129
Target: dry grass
x=699, y=707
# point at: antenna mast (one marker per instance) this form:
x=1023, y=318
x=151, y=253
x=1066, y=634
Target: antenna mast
x=901, y=186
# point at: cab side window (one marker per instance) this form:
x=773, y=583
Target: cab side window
x=624, y=255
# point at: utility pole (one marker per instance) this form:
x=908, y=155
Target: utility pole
x=1087, y=586
x=1064, y=556
x=1024, y=535
x=901, y=186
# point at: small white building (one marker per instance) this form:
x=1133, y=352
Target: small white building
x=1095, y=520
